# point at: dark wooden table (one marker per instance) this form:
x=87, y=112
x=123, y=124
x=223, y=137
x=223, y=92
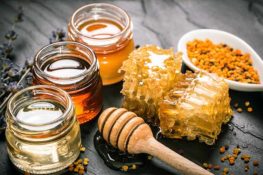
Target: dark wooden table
x=161, y=23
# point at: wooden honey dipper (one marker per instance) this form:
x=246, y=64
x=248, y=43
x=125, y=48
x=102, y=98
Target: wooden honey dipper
x=129, y=133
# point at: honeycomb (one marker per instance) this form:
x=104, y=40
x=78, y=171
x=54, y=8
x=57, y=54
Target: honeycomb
x=191, y=105
x=149, y=72
x=197, y=106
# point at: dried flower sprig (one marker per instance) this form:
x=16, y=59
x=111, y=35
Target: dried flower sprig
x=11, y=75
x=57, y=35
x=7, y=47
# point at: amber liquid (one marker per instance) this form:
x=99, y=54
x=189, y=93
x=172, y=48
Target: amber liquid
x=110, y=60
x=88, y=98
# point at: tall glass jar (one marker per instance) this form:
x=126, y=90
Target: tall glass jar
x=72, y=67
x=42, y=134
x=107, y=29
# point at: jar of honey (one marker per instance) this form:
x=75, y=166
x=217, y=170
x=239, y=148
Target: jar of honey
x=74, y=68
x=42, y=133
x=107, y=29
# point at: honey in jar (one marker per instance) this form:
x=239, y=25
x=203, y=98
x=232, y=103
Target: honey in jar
x=42, y=134
x=107, y=29
x=72, y=67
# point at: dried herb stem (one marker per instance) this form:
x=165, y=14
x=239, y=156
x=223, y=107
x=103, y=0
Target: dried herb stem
x=3, y=105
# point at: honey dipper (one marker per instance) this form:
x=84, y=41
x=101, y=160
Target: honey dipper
x=129, y=133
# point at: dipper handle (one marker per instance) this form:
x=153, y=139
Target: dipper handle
x=181, y=164
x=142, y=141
x=127, y=132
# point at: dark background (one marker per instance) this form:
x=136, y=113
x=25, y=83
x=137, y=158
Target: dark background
x=161, y=23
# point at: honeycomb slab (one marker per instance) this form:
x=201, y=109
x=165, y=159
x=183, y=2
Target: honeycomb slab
x=191, y=105
x=196, y=107
x=149, y=73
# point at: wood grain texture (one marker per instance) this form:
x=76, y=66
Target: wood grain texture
x=175, y=160
x=136, y=137
x=161, y=23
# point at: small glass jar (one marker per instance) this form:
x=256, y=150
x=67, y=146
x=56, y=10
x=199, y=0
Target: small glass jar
x=42, y=134
x=74, y=68
x=107, y=29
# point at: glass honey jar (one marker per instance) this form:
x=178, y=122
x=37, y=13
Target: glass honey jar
x=107, y=29
x=74, y=68
x=42, y=134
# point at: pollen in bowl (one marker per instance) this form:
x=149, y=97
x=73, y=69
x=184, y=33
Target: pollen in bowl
x=101, y=34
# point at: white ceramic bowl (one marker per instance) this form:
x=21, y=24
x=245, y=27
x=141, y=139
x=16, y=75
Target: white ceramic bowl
x=217, y=36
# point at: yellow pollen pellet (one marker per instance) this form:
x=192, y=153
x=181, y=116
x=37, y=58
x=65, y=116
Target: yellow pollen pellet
x=82, y=149
x=149, y=157
x=226, y=170
x=239, y=110
x=247, y=103
x=81, y=172
x=81, y=167
x=133, y=167
x=124, y=168
x=76, y=170
x=249, y=109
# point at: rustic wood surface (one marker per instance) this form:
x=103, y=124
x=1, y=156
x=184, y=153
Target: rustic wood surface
x=161, y=23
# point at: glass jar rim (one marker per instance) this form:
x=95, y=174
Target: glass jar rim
x=126, y=15
x=60, y=43
x=61, y=118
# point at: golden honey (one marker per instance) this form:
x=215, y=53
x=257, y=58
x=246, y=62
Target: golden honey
x=192, y=105
x=150, y=71
x=110, y=36
x=42, y=134
x=196, y=107
x=72, y=67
